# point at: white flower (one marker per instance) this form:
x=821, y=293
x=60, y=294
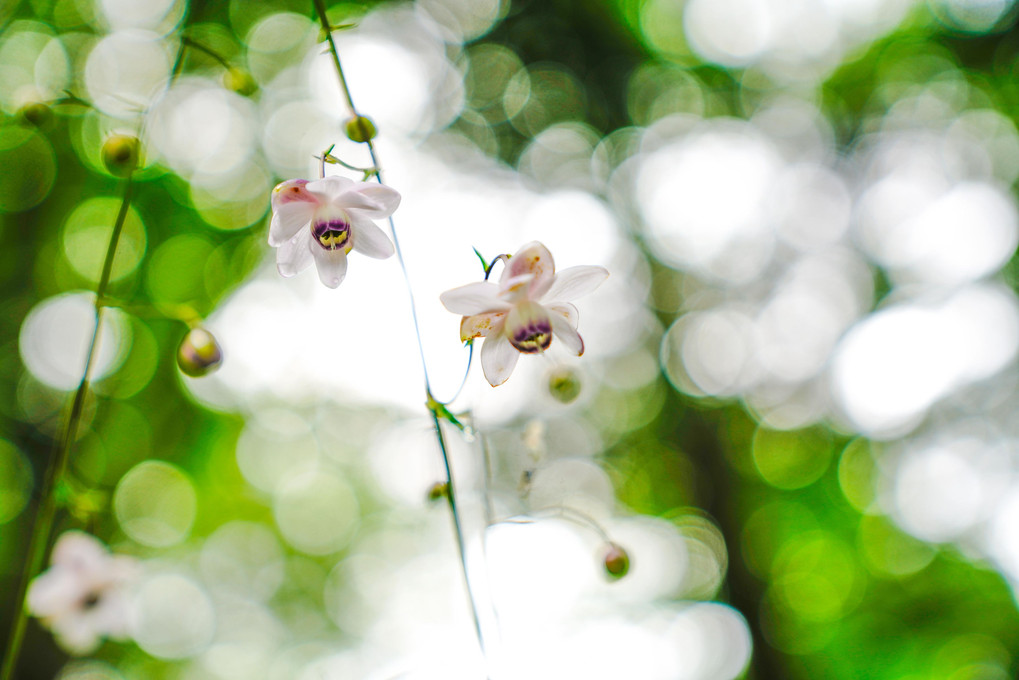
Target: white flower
x=521, y=313
x=83, y=596
x=323, y=220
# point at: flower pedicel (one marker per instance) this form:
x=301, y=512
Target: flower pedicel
x=524, y=310
x=323, y=220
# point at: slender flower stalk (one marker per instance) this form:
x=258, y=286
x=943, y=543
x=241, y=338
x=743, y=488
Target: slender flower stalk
x=43, y=526
x=434, y=407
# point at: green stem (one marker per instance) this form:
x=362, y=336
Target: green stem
x=451, y=495
x=454, y=511
x=43, y=525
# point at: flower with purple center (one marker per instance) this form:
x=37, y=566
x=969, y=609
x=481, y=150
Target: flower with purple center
x=83, y=596
x=321, y=221
x=522, y=313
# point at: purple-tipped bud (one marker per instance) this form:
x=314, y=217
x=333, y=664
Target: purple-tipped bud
x=616, y=561
x=564, y=385
x=360, y=129
x=120, y=154
x=437, y=491
x=240, y=81
x=199, y=353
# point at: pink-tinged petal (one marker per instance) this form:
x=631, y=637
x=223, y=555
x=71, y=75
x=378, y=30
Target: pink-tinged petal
x=328, y=188
x=290, y=191
x=370, y=240
x=370, y=200
x=54, y=593
x=288, y=220
x=573, y=282
x=294, y=256
x=481, y=325
x=516, y=289
x=533, y=258
x=566, y=310
x=474, y=298
x=566, y=333
x=331, y=264
x=498, y=359
x=79, y=551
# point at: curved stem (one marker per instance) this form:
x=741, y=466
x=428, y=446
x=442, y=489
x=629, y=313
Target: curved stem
x=430, y=401
x=43, y=525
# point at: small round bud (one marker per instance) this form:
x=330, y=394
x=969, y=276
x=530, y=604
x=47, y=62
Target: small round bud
x=616, y=561
x=120, y=154
x=360, y=128
x=240, y=81
x=199, y=353
x=564, y=384
x=36, y=114
x=437, y=491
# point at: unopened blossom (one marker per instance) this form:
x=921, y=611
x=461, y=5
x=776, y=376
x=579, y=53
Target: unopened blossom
x=521, y=314
x=83, y=596
x=323, y=220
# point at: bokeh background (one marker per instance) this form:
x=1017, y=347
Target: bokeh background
x=799, y=396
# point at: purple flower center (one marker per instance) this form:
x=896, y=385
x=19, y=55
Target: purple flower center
x=533, y=337
x=331, y=234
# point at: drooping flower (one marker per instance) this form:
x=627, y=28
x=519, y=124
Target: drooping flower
x=322, y=220
x=83, y=596
x=521, y=313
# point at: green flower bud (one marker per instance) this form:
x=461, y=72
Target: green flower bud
x=437, y=491
x=360, y=128
x=240, y=81
x=616, y=561
x=564, y=384
x=36, y=114
x=199, y=353
x=120, y=154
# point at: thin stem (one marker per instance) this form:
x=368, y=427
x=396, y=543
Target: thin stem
x=451, y=499
x=43, y=525
x=377, y=171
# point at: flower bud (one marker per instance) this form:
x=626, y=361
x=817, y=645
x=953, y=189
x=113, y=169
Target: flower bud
x=616, y=561
x=199, y=353
x=360, y=129
x=240, y=81
x=437, y=491
x=564, y=384
x=36, y=114
x=120, y=154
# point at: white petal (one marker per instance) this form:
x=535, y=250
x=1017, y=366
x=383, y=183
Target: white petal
x=534, y=258
x=54, y=593
x=481, y=325
x=566, y=310
x=331, y=264
x=574, y=282
x=79, y=551
x=329, y=188
x=77, y=634
x=294, y=256
x=370, y=240
x=370, y=200
x=498, y=359
x=289, y=219
x=569, y=336
x=474, y=298
x=290, y=190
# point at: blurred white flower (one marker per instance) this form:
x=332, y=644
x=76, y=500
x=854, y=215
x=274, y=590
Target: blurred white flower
x=323, y=220
x=83, y=596
x=521, y=313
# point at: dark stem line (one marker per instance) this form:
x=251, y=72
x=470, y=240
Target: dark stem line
x=450, y=485
x=453, y=510
x=42, y=527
